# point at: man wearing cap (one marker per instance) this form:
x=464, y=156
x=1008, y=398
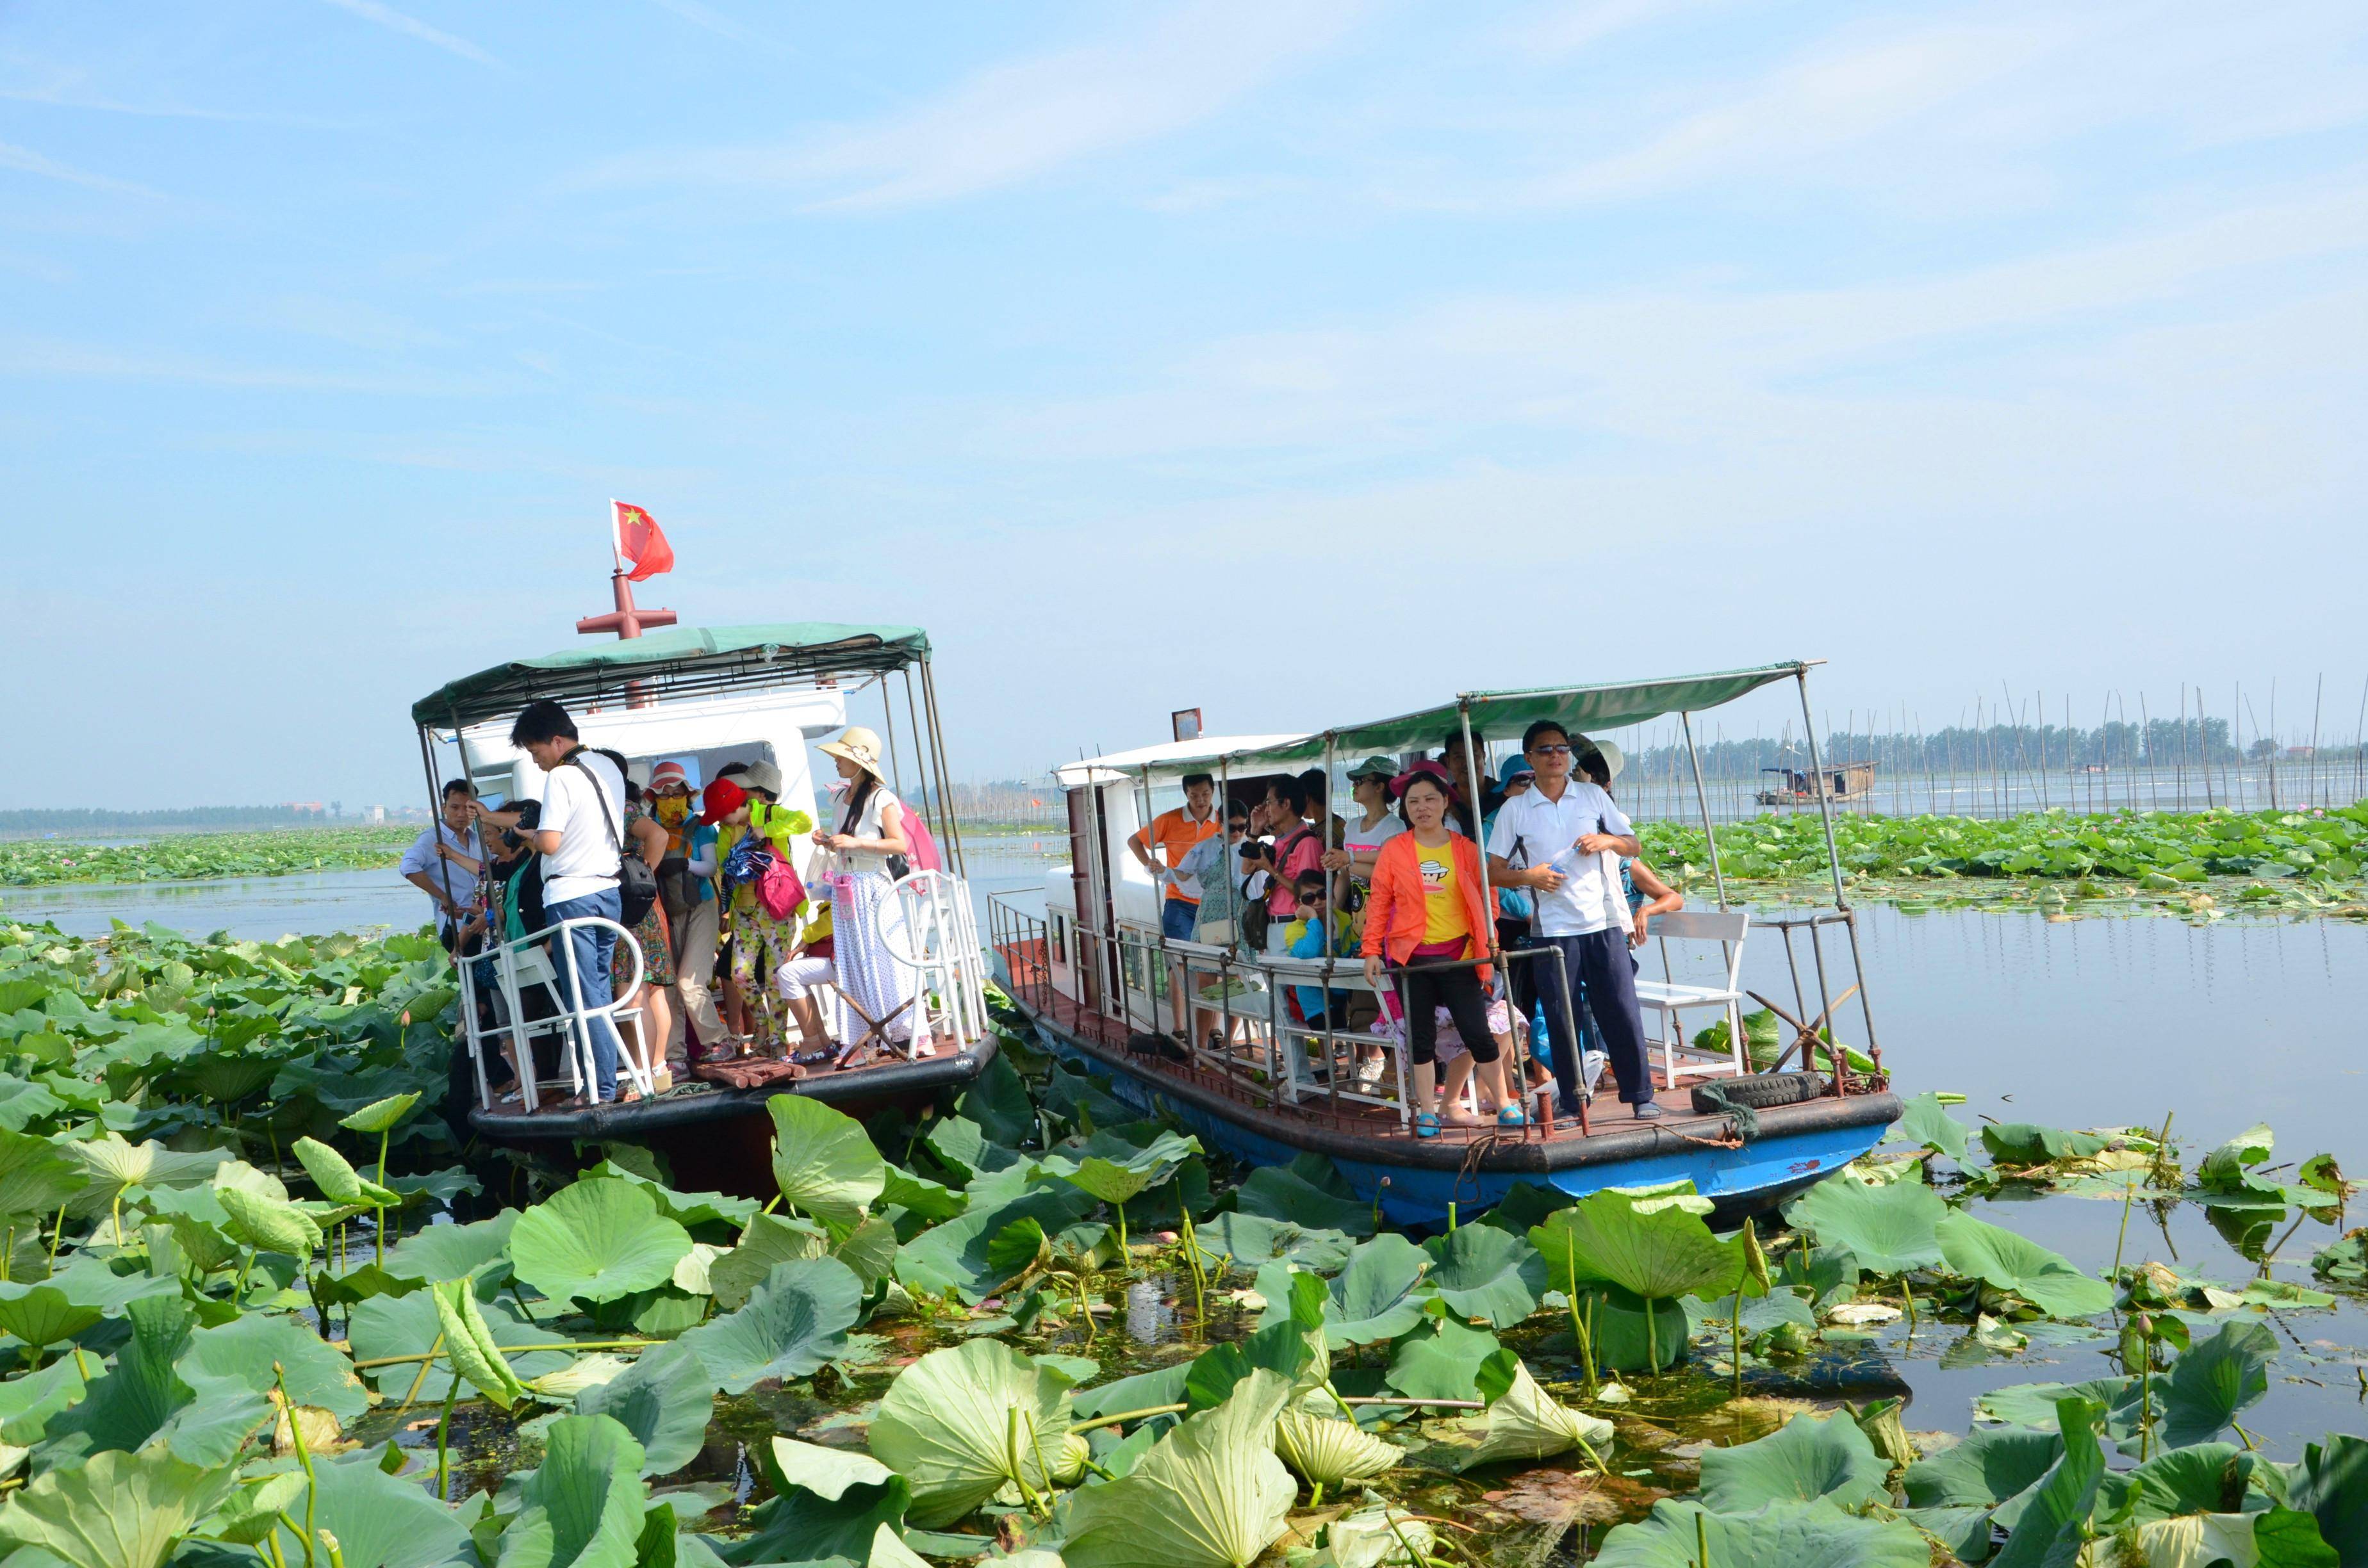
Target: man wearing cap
x=443, y=861
x=1562, y=840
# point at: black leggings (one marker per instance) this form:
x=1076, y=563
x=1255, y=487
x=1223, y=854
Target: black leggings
x=1459, y=990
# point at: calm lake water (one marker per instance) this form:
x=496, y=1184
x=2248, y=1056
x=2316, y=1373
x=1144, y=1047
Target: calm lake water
x=2100, y=1022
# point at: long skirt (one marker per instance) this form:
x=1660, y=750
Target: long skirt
x=865, y=919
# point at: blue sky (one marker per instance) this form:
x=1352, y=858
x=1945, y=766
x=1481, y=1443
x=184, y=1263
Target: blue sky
x=1302, y=362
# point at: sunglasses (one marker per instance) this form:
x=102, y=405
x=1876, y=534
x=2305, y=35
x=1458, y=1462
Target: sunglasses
x=1549, y=751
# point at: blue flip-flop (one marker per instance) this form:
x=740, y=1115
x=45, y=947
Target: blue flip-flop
x=1426, y=1125
x=1512, y=1116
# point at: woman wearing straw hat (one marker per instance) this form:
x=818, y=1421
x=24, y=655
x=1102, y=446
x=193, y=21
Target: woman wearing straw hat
x=868, y=926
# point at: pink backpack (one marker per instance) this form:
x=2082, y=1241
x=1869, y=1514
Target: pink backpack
x=922, y=850
x=779, y=889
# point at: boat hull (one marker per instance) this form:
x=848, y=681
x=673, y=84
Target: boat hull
x=1415, y=1181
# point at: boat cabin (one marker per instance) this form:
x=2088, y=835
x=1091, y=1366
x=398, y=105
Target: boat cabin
x=1842, y=781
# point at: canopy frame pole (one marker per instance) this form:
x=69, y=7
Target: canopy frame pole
x=1841, y=901
x=1488, y=893
x=444, y=873
x=1702, y=798
x=1160, y=912
x=938, y=750
x=888, y=723
x=1331, y=923
x=1227, y=861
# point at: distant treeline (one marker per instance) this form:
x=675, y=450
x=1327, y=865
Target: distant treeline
x=1962, y=749
x=85, y=820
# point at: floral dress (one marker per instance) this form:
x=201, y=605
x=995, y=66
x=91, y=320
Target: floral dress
x=657, y=960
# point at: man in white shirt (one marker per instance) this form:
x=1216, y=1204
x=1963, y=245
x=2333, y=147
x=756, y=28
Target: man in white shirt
x=444, y=860
x=1563, y=840
x=578, y=837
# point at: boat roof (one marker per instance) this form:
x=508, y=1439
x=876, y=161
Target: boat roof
x=1582, y=709
x=679, y=661
x=1166, y=758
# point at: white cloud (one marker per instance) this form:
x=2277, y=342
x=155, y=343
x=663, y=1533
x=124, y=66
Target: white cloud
x=1015, y=121
x=24, y=160
x=412, y=27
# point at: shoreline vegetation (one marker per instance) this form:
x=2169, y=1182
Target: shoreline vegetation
x=2200, y=864
x=240, y=1333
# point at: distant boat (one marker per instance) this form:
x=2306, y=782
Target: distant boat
x=1836, y=781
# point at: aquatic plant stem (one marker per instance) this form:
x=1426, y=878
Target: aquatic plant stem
x=2128, y=1198
x=384, y=1133
x=1702, y=1538
x=303, y=1453
x=1736, y=1353
x=57, y=1237
x=425, y=1362
x=509, y=1350
x=1036, y=1505
x=443, y=1449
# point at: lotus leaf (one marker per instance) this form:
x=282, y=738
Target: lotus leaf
x=28, y=1400
x=1291, y=1343
x=960, y=1145
x=1654, y=1249
x=823, y=1160
x=1483, y=1272
x=584, y=1505
x=117, y=1510
x=2034, y=1404
x=469, y=1344
x=1441, y=1360
x=2202, y=1477
x=768, y=1239
x=337, y=1179
x=1525, y=1422
x=2213, y=1380
x=43, y=1314
x=1252, y=1241
x=114, y=1166
x=1810, y=1457
x=379, y=1520
x=1325, y=1451
x=381, y=1116
x=792, y=1324
x=997, y=1101
x=1210, y=1494
x=1890, y=1229
x=35, y=1177
x=1380, y=1537
x=1378, y=1295
x=1317, y=1201
x=947, y=1423
x=596, y=1241
x=1165, y=1386
x=408, y=1325
x=689, y=1210
x=821, y=1510
x=2023, y=1143
x=1978, y=1250
x=245, y=1349
x=2192, y=1541
x=2333, y=1487
x=2228, y=1168
x=1781, y=1535
x=868, y=1250
x=1924, y=1120
x=1984, y=1470
x=269, y=1224
x=142, y=1397
x=927, y=1200
x=953, y=1255
x=2055, y=1515
x=665, y=1399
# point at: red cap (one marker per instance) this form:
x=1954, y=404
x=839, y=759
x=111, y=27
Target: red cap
x=722, y=797
x=1425, y=769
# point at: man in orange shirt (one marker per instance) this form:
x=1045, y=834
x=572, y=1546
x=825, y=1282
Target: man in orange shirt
x=1176, y=832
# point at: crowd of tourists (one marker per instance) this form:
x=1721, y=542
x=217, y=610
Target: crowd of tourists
x=1394, y=890
x=736, y=944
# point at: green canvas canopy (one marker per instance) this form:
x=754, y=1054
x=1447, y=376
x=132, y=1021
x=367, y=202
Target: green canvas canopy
x=1502, y=715
x=679, y=661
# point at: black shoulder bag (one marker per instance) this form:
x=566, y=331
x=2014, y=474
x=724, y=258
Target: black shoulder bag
x=637, y=884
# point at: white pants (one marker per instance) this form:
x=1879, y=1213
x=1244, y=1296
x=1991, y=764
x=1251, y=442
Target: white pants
x=798, y=977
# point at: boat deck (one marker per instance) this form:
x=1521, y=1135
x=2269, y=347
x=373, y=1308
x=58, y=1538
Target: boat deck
x=1609, y=1117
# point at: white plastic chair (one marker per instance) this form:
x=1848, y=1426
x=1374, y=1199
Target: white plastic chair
x=1670, y=999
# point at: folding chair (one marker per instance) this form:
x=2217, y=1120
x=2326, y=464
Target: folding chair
x=1670, y=999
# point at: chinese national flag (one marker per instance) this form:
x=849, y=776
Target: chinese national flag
x=643, y=542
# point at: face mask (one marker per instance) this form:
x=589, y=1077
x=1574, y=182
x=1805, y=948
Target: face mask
x=673, y=810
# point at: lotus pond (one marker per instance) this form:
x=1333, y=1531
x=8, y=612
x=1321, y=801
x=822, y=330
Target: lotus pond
x=2198, y=864
x=262, y=1305
x=202, y=856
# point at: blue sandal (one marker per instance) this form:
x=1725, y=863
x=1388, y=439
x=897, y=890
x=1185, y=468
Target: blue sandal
x=1426, y=1125
x=1512, y=1116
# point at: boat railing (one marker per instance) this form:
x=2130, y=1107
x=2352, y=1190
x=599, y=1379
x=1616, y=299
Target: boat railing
x=507, y=971
x=939, y=942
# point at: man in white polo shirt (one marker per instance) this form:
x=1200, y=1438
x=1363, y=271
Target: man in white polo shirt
x=1563, y=840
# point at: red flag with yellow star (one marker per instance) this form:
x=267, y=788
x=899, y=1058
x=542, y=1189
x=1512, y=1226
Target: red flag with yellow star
x=640, y=541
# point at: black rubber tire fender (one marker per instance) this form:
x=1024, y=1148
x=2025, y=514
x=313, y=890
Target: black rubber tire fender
x=1763, y=1091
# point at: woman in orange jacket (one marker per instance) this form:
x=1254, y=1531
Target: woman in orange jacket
x=1426, y=908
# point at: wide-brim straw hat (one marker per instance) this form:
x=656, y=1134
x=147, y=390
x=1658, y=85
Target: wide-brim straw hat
x=857, y=745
